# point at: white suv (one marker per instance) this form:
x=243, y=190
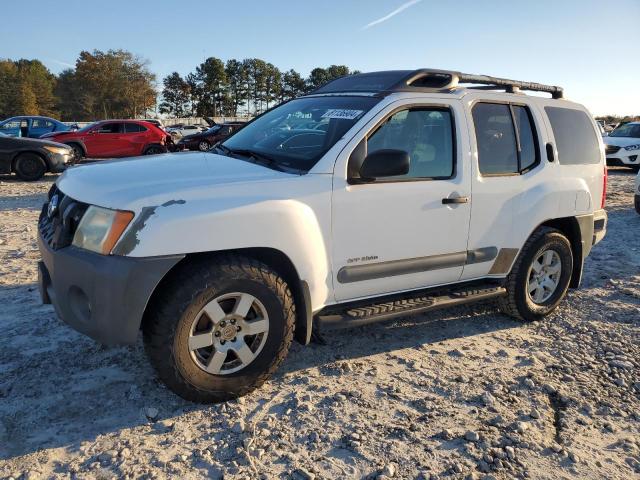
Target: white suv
x=418, y=194
x=623, y=146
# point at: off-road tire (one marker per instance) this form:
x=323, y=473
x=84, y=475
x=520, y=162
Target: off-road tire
x=517, y=303
x=182, y=297
x=30, y=167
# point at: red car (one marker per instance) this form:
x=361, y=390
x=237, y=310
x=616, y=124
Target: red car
x=114, y=138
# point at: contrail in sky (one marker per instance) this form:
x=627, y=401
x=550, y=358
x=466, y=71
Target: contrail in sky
x=402, y=7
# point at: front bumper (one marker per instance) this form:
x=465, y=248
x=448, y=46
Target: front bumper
x=101, y=296
x=59, y=162
x=624, y=158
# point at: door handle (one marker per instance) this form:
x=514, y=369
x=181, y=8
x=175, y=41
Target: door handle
x=455, y=200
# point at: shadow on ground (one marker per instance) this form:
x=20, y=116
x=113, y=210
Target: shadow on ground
x=60, y=389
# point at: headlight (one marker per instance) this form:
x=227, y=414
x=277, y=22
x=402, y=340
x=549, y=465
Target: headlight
x=100, y=229
x=57, y=150
x=633, y=147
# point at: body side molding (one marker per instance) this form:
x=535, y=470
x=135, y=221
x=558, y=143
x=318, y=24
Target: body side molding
x=392, y=268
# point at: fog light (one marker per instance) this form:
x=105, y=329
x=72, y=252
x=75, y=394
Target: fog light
x=633, y=158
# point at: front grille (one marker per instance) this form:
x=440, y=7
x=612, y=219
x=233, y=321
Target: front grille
x=58, y=225
x=611, y=149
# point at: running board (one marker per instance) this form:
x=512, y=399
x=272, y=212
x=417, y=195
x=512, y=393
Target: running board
x=362, y=314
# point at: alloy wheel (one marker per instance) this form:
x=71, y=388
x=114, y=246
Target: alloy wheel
x=543, y=277
x=228, y=333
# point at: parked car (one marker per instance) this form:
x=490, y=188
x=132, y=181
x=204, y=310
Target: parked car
x=32, y=127
x=30, y=158
x=419, y=195
x=623, y=146
x=203, y=141
x=114, y=139
x=179, y=131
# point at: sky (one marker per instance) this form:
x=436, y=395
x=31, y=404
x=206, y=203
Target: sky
x=589, y=47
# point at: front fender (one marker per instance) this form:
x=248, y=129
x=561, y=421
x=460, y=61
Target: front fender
x=297, y=226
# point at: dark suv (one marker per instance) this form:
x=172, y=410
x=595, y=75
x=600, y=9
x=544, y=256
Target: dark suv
x=205, y=140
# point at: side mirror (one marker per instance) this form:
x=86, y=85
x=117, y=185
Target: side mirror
x=385, y=163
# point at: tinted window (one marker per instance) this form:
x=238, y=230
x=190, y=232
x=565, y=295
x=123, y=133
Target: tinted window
x=495, y=136
x=134, y=128
x=110, y=128
x=575, y=136
x=426, y=134
x=526, y=135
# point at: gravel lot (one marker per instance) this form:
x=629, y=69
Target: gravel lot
x=465, y=393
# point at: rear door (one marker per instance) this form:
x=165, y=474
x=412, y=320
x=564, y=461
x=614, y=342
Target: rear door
x=136, y=136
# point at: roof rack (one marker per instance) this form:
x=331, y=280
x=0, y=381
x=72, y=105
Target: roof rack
x=430, y=80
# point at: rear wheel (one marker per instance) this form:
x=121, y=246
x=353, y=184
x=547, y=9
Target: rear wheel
x=203, y=146
x=154, y=150
x=30, y=167
x=540, y=277
x=217, y=331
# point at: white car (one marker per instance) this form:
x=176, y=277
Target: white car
x=184, y=130
x=419, y=194
x=623, y=146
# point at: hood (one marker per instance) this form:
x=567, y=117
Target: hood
x=621, y=141
x=40, y=142
x=58, y=134
x=133, y=183
x=193, y=136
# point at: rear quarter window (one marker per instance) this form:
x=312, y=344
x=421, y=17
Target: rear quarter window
x=576, y=139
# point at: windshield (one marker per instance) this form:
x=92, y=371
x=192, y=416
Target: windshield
x=87, y=128
x=627, y=130
x=213, y=129
x=297, y=134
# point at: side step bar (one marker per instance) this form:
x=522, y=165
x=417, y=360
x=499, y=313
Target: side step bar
x=363, y=314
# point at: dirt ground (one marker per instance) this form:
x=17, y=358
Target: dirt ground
x=461, y=394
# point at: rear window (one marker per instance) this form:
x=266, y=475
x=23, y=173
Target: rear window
x=576, y=139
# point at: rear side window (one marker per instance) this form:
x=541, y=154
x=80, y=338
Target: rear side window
x=110, y=128
x=575, y=136
x=134, y=128
x=506, y=138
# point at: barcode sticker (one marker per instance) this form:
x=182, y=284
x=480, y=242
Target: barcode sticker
x=342, y=114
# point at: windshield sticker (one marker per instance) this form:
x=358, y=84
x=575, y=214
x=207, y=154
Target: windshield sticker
x=342, y=114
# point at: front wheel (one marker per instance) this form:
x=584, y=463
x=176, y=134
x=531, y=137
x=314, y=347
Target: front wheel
x=219, y=330
x=204, y=146
x=540, y=277
x=30, y=167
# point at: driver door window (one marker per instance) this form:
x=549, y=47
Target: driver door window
x=426, y=134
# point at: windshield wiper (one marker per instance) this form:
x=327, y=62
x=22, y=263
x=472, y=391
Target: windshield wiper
x=258, y=158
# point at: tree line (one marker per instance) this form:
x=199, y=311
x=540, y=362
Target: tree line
x=238, y=87
x=111, y=84
x=118, y=84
